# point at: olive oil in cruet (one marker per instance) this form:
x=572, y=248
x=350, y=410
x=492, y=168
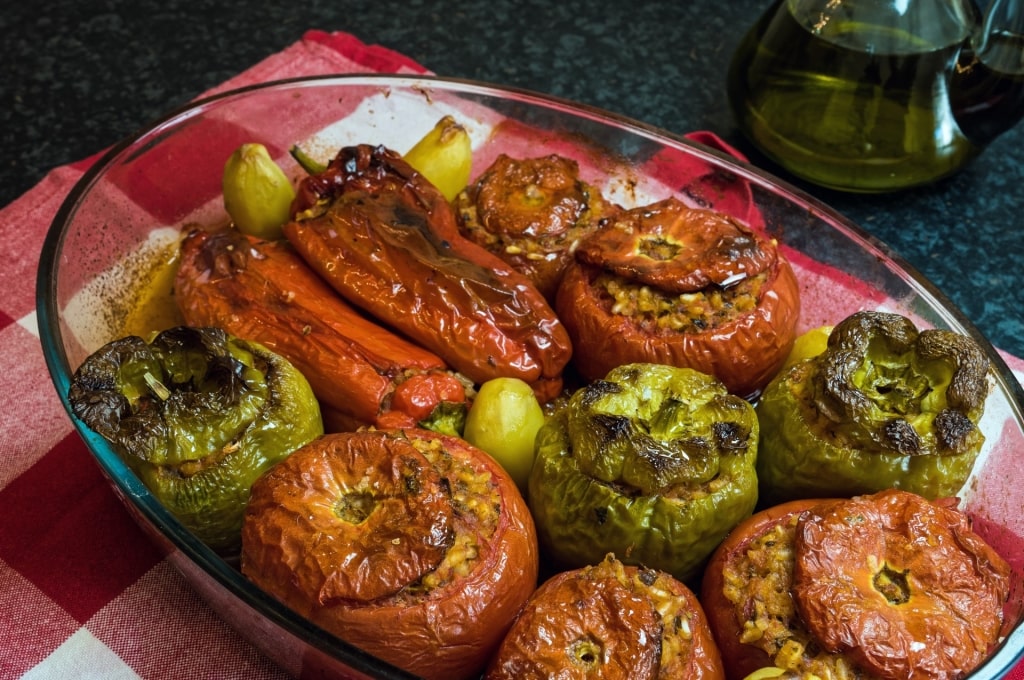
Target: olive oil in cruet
x=859, y=95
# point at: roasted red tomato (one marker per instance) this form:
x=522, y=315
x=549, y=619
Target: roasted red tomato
x=531, y=213
x=609, y=621
x=413, y=546
x=671, y=284
x=901, y=585
x=889, y=585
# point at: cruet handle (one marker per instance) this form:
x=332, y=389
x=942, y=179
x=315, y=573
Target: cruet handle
x=987, y=86
x=1000, y=41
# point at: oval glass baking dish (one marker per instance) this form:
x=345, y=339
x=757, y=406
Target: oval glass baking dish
x=115, y=228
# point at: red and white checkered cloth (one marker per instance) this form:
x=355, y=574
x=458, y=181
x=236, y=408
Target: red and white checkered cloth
x=83, y=593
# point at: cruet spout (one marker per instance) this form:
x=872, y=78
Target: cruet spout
x=987, y=84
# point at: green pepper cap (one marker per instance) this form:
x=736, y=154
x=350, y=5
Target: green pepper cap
x=884, y=405
x=198, y=415
x=653, y=463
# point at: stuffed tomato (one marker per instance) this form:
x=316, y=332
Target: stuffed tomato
x=609, y=620
x=746, y=596
x=413, y=546
x=532, y=213
x=671, y=284
x=888, y=585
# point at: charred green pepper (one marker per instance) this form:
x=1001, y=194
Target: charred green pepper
x=199, y=415
x=653, y=463
x=883, y=406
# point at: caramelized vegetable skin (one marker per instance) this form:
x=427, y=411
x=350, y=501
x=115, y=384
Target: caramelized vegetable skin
x=413, y=546
x=920, y=594
x=388, y=241
x=885, y=405
x=609, y=620
x=264, y=291
x=746, y=594
x=670, y=284
x=654, y=463
x=888, y=585
x=198, y=415
x=532, y=213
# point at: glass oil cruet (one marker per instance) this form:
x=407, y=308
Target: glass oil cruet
x=879, y=95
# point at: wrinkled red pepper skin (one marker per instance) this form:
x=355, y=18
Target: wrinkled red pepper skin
x=263, y=291
x=388, y=241
x=420, y=394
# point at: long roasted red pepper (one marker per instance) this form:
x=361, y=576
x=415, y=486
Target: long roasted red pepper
x=263, y=291
x=388, y=241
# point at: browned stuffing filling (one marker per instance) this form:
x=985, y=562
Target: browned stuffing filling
x=759, y=586
x=696, y=312
x=540, y=247
x=676, y=618
x=477, y=504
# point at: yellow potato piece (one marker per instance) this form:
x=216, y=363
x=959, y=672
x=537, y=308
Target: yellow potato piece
x=444, y=157
x=503, y=421
x=257, y=193
x=808, y=344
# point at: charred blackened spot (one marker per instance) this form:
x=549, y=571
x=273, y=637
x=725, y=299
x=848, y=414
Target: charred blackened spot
x=953, y=429
x=901, y=436
x=597, y=390
x=730, y=436
x=611, y=428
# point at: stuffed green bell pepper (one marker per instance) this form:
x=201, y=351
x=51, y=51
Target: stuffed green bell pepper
x=653, y=463
x=198, y=415
x=883, y=406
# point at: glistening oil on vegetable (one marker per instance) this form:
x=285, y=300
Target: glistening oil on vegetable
x=848, y=104
x=132, y=296
x=154, y=309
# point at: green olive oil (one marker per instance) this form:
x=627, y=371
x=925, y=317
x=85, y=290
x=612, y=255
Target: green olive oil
x=849, y=105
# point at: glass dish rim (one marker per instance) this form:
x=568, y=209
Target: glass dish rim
x=141, y=501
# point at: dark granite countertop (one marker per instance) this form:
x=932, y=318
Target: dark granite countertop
x=78, y=75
